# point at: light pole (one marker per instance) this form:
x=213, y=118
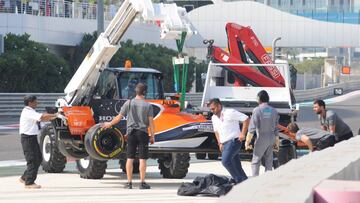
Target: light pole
x=100, y=17
x=274, y=47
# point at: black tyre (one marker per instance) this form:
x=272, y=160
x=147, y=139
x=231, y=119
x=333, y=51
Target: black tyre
x=200, y=155
x=286, y=153
x=53, y=161
x=71, y=152
x=122, y=163
x=175, y=165
x=90, y=168
x=213, y=156
x=275, y=161
x=104, y=144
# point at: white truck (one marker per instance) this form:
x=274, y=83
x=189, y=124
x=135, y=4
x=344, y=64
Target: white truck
x=236, y=75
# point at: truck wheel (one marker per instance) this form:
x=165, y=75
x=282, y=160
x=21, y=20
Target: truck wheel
x=104, y=144
x=175, y=165
x=286, y=153
x=213, y=156
x=200, y=155
x=90, y=168
x=53, y=161
x=122, y=163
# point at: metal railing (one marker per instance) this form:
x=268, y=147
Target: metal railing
x=57, y=8
x=11, y=104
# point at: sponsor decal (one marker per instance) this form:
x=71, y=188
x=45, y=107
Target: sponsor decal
x=200, y=128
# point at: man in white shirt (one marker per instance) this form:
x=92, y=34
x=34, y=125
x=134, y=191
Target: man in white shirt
x=29, y=129
x=229, y=136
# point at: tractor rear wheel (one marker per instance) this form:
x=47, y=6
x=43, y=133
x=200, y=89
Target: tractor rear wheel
x=90, y=168
x=175, y=165
x=122, y=163
x=53, y=161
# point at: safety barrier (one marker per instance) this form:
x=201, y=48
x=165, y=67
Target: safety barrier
x=320, y=93
x=12, y=103
x=296, y=180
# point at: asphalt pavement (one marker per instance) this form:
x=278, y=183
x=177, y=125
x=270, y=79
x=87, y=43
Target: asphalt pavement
x=69, y=187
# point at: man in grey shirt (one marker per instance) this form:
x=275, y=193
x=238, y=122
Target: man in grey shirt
x=140, y=121
x=263, y=121
x=314, y=138
x=331, y=122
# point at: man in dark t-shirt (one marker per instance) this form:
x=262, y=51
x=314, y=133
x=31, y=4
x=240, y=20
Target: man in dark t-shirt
x=314, y=138
x=331, y=122
x=140, y=121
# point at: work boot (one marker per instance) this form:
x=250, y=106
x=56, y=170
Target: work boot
x=144, y=185
x=128, y=185
x=33, y=186
x=232, y=181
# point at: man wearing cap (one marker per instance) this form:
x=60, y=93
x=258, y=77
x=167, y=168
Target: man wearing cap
x=29, y=129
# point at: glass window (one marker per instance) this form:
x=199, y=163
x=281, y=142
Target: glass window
x=128, y=81
x=106, y=86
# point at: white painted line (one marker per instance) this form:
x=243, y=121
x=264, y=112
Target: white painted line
x=21, y=162
x=335, y=99
x=9, y=127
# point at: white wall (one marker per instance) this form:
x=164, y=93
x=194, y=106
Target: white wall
x=269, y=23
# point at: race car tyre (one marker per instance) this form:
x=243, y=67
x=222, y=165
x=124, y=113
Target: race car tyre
x=213, y=156
x=90, y=168
x=122, y=163
x=53, y=161
x=104, y=144
x=175, y=165
x=200, y=155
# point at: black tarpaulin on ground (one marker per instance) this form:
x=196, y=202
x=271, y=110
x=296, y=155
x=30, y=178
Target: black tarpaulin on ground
x=210, y=185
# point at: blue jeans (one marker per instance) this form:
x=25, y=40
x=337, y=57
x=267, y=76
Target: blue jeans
x=231, y=160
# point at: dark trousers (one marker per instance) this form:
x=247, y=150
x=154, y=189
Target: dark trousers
x=230, y=159
x=33, y=158
x=345, y=137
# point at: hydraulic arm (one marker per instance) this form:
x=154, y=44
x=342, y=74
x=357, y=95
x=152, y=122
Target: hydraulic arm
x=244, y=45
x=169, y=17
